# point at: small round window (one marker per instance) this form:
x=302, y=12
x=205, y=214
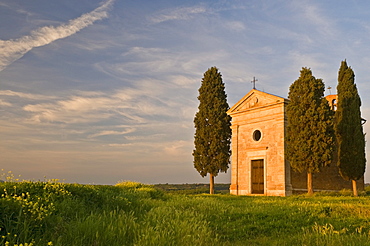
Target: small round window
x=257, y=135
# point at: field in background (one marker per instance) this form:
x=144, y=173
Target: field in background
x=52, y=213
x=193, y=188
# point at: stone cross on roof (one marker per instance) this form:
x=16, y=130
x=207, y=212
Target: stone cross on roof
x=254, y=82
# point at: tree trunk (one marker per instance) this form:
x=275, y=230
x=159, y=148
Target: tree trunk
x=354, y=187
x=211, y=184
x=309, y=184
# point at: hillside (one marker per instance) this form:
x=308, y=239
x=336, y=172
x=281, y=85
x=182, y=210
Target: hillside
x=52, y=213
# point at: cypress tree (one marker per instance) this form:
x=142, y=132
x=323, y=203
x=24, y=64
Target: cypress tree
x=310, y=133
x=348, y=128
x=212, y=128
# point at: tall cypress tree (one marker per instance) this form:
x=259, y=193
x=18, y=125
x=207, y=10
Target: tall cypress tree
x=348, y=128
x=310, y=133
x=212, y=128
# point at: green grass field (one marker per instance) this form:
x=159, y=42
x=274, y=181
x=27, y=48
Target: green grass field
x=129, y=213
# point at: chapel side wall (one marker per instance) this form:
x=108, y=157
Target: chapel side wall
x=328, y=179
x=275, y=176
x=288, y=171
x=234, y=159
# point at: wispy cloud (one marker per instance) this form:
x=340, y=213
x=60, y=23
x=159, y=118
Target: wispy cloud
x=4, y=103
x=177, y=148
x=17, y=9
x=235, y=25
x=314, y=16
x=183, y=13
x=131, y=104
x=12, y=50
x=25, y=95
x=179, y=66
x=313, y=61
x=107, y=133
x=76, y=109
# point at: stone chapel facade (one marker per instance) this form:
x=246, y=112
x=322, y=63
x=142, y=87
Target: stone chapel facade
x=259, y=165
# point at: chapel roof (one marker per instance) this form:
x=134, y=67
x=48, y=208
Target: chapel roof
x=255, y=99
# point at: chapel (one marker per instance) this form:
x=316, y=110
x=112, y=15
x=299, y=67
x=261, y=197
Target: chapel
x=258, y=164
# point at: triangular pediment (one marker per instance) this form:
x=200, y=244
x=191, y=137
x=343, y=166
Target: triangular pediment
x=255, y=99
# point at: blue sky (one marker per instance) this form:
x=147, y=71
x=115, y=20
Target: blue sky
x=99, y=92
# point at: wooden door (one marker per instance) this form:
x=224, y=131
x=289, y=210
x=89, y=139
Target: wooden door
x=257, y=177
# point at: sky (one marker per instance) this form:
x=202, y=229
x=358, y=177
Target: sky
x=100, y=92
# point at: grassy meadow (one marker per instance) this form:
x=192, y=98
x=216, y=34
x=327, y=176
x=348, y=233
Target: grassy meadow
x=129, y=213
